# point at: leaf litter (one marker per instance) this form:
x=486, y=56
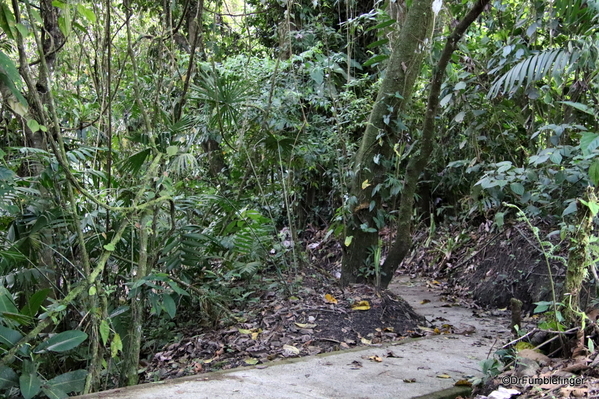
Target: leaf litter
x=318, y=318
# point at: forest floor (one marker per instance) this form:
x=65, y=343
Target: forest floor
x=475, y=269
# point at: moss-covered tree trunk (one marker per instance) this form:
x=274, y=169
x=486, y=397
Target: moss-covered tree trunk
x=382, y=133
x=420, y=157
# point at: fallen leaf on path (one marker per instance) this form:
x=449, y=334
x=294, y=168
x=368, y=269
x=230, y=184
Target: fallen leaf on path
x=361, y=305
x=443, y=376
x=409, y=380
x=305, y=325
x=425, y=301
x=251, y=361
x=289, y=350
x=355, y=365
x=375, y=358
x=330, y=298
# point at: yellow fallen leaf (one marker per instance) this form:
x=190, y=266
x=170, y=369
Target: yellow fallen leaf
x=366, y=341
x=365, y=184
x=255, y=335
x=437, y=331
x=443, y=376
x=307, y=325
x=251, y=361
x=424, y=301
x=244, y=331
x=375, y=358
x=361, y=305
x=330, y=298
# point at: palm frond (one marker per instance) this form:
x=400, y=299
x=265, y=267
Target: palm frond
x=553, y=62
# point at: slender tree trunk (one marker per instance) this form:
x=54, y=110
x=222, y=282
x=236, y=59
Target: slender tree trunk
x=382, y=133
x=131, y=355
x=419, y=160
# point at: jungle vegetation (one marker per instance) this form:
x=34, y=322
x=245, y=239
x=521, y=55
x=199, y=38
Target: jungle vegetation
x=160, y=154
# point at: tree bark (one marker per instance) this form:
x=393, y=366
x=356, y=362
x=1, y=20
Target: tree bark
x=418, y=161
x=131, y=354
x=382, y=133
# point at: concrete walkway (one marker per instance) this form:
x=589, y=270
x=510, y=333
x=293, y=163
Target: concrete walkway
x=411, y=368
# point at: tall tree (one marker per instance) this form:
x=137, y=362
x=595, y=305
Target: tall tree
x=370, y=164
x=419, y=160
x=382, y=133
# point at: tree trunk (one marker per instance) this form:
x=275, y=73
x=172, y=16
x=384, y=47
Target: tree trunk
x=131, y=354
x=419, y=160
x=381, y=135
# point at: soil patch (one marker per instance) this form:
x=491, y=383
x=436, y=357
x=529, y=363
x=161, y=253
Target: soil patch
x=317, y=318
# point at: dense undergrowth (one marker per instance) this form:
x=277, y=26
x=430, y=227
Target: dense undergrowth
x=168, y=163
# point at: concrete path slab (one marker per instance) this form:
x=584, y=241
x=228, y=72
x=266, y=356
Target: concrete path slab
x=417, y=367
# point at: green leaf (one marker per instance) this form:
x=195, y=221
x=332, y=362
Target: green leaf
x=572, y=208
x=460, y=86
x=8, y=377
x=87, y=13
x=34, y=303
x=9, y=337
x=18, y=317
x=33, y=125
x=30, y=385
x=378, y=43
x=104, y=331
x=6, y=174
x=60, y=4
x=6, y=303
x=542, y=306
x=109, y=247
x=588, y=142
x=382, y=25
x=7, y=21
x=592, y=205
x=11, y=77
x=459, y=117
x=317, y=74
x=594, y=172
x=73, y=381
x=172, y=150
x=556, y=157
x=348, y=240
x=517, y=188
x=445, y=100
x=116, y=345
x=375, y=60
x=62, y=342
x=499, y=219
x=581, y=107
x=169, y=305
x=54, y=393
